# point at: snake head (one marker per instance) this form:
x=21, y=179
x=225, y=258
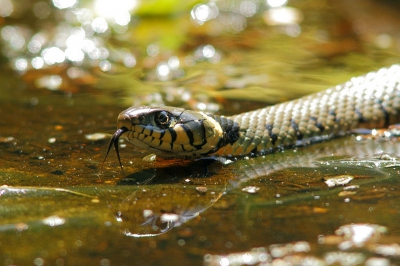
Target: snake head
x=169, y=131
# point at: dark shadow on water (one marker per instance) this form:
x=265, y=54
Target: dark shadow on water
x=204, y=168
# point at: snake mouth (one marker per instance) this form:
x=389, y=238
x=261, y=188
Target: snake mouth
x=159, y=142
x=114, y=141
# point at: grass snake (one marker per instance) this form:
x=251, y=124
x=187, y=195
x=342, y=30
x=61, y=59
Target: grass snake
x=368, y=101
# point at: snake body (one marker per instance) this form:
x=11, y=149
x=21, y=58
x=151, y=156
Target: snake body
x=371, y=100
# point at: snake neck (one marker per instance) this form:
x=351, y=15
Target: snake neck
x=230, y=129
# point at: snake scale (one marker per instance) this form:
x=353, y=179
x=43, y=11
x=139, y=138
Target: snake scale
x=368, y=101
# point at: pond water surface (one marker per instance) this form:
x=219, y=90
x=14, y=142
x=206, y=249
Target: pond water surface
x=69, y=68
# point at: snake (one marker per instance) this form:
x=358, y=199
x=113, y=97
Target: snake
x=368, y=101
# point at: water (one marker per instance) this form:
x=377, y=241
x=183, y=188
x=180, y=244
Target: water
x=59, y=207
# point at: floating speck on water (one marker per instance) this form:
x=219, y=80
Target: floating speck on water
x=251, y=189
x=169, y=217
x=51, y=140
x=201, y=189
x=95, y=200
x=96, y=136
x=6, y=139
x=150, y=158
x=353, y=187
x=388, y=157
x=21, y=226
x=346, y=193
x=338, y=180
x=147, y=213
x=53, y=221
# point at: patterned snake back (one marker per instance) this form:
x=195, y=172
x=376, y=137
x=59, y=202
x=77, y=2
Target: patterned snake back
x=369, y=101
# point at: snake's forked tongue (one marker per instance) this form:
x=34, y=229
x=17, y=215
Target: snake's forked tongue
x=114, y=141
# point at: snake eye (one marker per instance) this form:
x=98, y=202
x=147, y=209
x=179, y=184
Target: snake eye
x=162, y=119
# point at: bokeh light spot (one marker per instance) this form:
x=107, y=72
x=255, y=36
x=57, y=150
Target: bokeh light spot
x=53, y=55
x=6, y=8
x=41, y=10
x=61, y=4
x=276, y=3
x=21, y=64
x=129, y=60
x=99, y=25
x=105, y=65
x=37, y=62
x=52, y=82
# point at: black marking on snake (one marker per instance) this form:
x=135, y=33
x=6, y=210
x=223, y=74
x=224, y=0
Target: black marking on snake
x=203, y=131
x=333, y=113
x=320, y=126
x=361, y=118
x=295, y=126
x=161, y=142
x=189, y=133
x=173, y=136
x=149, y=137
x=253, y=152
x=317, y=124
x=162, y=133
x=232, y=133
x=230, y=129
x=272, y=135
x=385, y=113
x=151, y=131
